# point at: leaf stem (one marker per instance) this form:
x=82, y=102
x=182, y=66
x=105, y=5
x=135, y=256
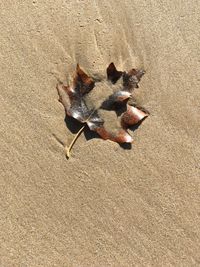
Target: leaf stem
x=68, y=148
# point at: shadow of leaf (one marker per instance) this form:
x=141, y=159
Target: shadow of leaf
x=73, y=125
x=126, y=146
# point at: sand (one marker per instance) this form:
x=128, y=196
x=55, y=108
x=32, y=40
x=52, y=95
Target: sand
x=105, y=206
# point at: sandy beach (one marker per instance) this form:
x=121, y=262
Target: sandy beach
x=106, y=205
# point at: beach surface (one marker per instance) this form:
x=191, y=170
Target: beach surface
x=106, y=205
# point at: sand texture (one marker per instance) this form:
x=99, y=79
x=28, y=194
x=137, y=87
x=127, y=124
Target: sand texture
x=105, y=206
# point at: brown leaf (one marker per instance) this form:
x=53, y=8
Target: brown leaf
x=104, y=106
x=113, y=74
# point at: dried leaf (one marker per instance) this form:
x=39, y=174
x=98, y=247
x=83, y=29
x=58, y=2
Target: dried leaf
x=103, y=105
